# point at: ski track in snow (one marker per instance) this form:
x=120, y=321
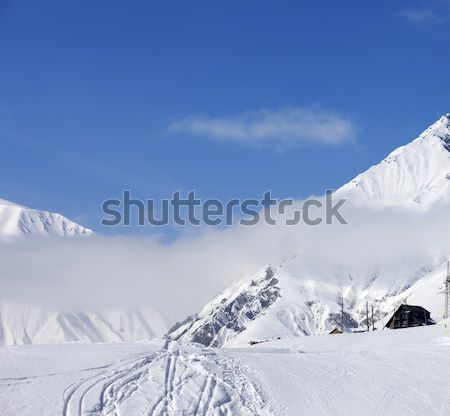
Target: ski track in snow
x=168, y=382
x=74, y=396
x=390, y=373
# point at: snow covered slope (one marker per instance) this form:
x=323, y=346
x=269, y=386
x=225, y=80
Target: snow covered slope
x=271, y=304
x=25, y=324
x=415, y=175
x=302, y=297
x=17, y=220
x=296, y=298
x=230, y=313
x=427, y=291
x=392, y=373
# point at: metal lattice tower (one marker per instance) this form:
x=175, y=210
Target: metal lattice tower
x=447, y=291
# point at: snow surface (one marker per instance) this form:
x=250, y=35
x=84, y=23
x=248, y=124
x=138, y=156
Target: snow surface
x=391, y=372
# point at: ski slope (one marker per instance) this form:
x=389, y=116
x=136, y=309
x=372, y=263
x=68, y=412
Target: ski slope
x=391, y=372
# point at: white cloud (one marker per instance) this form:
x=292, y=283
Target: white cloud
x=179, y=278
x=420, y=16
x=286, y=127
x=428, y=12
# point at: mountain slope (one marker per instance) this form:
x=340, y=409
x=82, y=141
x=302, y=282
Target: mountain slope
x=415, y=175
x=229, y=313
x=301, y=303
x=306, y=297
x=17, y=220
x=25, y=324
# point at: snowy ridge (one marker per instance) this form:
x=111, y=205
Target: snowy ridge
x=229, y=313
x=17, y=220
x=413, y=176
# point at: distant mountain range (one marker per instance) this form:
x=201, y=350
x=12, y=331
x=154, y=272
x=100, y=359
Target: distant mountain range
x=294, y=297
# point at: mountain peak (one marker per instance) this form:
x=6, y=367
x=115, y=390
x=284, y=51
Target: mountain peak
x=414, y=175
x=17, y=220
x=440, y=128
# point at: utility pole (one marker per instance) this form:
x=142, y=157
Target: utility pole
x=447, y=291
x=342, y=313
x=373, y=321
x=367, y=316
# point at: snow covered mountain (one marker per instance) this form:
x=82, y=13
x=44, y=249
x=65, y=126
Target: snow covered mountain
x=291, y=300
x=17, y=220
x=415, y=175
x=230, y=313
x=269, y=305
x=299, y=297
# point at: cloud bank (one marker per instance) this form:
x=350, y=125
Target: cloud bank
x=286, y=127
x=177, y=279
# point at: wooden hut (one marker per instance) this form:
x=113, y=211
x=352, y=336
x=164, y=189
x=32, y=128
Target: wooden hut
x=407, y=316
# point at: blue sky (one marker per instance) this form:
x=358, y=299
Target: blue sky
x=227, y=98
